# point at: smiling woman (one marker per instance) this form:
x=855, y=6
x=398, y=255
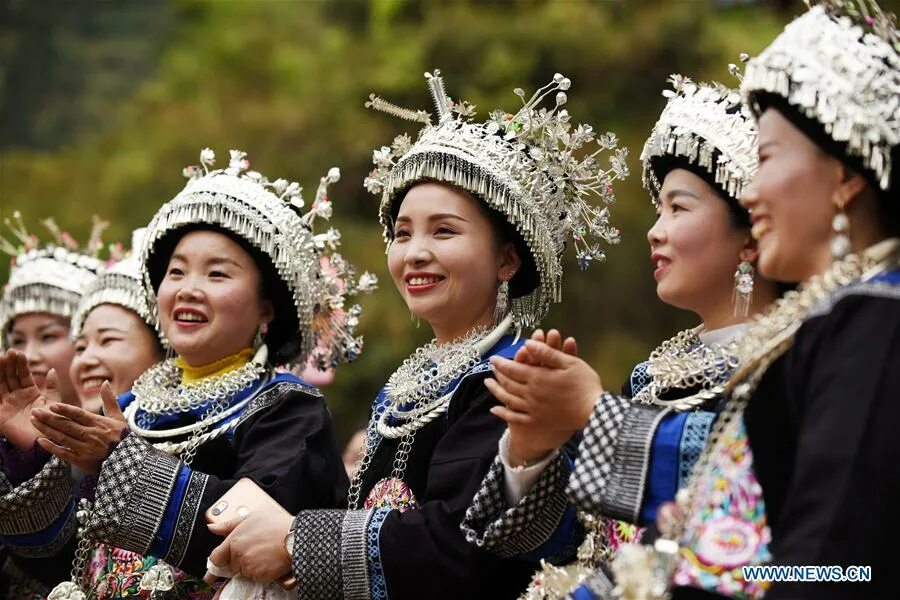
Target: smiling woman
x=39, y=300
x=115, y=341
x=447, y=257
x=218, y=412
x=474, y=247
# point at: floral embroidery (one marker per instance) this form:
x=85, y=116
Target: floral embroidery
x=391, y=493
x=727, y=529
x=117, y=573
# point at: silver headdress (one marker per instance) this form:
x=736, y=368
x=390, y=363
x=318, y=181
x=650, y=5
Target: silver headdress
x=839, y=64
x=706, y=125
x=267, y=215
x=49, y=279
x=533, y=166
x=121, y=285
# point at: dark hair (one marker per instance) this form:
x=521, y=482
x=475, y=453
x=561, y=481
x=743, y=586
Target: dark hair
x=525, y=280
x=662, y=165
x=888, y=201
x=283, y=337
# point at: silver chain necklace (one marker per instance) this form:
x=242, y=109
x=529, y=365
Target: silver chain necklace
x=160, y=391
x=769, y=337
x=683, y=362
x=416, y=395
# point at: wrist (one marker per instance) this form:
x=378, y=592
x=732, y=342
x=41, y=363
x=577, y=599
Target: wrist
x=287, y=544
x=519, y=455
x=587, y=405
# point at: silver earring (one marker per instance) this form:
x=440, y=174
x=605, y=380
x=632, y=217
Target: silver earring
x=840, y=238
x=742, y=297
x=502, y=303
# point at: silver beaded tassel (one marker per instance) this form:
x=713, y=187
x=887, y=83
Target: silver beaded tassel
x=840, y=240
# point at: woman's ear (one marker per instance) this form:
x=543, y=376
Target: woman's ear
x=851, y=187
x=750, y=251
x=509, y=261
x=267, y=311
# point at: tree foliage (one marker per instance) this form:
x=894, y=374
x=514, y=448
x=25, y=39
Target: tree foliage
x=102, y=104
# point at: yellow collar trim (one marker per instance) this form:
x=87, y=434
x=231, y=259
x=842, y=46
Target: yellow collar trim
x=220, y=367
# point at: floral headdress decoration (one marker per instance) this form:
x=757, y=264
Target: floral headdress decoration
x=47, y=278
x=839, y=65
x=542, y=173
x=268, y=214
x=707, y=125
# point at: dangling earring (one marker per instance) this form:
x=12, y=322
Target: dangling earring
x=259, y=339
x=840, y=238
x=502, y=302
x=415, y=319
x=742, y=297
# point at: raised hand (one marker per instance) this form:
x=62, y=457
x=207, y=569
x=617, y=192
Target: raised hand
x=545, y=400
x=79, y=437
x=19, y=394
x=554, y=339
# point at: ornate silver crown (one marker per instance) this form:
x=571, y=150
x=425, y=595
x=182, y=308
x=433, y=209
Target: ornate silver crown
x=533, y=166
x=839, y=64
x=705, y=124
x=266, y=214
x=119, y=284
x=48, y=279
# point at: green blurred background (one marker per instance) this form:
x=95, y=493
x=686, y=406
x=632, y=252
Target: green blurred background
x=103, y=103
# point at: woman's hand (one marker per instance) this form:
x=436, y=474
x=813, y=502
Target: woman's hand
x=547, y=395
x=254, y=547
x=79, y=437
x=19, y=394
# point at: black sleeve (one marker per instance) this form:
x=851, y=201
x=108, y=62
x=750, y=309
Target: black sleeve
x=151, y=503
x=840, y=502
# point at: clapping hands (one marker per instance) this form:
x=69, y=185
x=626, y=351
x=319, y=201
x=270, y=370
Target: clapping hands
x=547, y=395
x=19, y=394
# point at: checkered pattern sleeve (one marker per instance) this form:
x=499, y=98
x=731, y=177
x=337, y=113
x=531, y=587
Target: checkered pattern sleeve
x=614, y=458
x=37, y=517
x=520, y=529
x=337, y=555
x=133, y=491
x=36, y=504
x=150, y=502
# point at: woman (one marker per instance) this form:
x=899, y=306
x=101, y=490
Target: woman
x=471, y=250
x=639, y=447
x=815, y=395
x=234, y=270
x=818, y=376
x=115, y=340
x=42, y=294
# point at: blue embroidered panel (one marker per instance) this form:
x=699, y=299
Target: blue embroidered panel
x=640, y=378
x=163, y=537
x=693, y=441
x=377, y=583
x=582, y=593
x=663, y=472
x=279, y=377
x=505, y=348
x=892, y=277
